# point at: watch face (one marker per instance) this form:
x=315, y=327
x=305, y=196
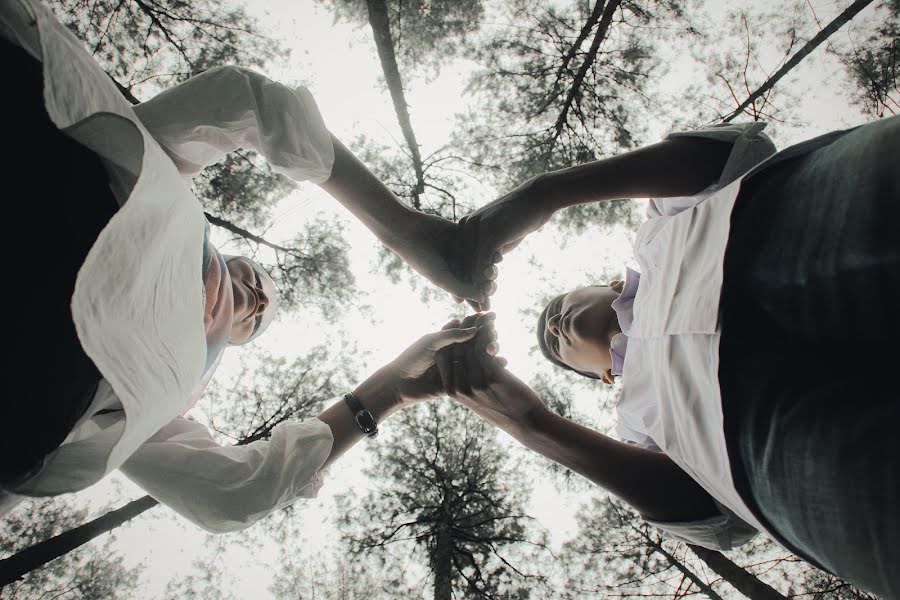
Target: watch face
x=367, y=423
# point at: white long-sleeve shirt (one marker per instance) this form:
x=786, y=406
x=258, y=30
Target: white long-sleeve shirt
x=670, y=399
x=138, y=301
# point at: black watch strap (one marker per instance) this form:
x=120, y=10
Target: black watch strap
x=364, y=418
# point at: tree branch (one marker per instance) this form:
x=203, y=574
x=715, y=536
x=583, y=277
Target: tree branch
x=838, y=22
x=570, y=54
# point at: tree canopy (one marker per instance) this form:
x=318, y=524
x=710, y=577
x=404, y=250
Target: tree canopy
x=445, y=506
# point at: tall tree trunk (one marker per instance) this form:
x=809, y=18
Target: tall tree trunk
x=570, y=55
x=443, y=555
x=602, y=31
x=739, y=578
x=17, y=565
x=381, y=30
x=28, y=559
x=802, y=53
x=687, y=572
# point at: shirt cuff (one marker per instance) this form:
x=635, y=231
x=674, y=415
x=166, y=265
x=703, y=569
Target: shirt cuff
x=322, y=430
x=722, y=532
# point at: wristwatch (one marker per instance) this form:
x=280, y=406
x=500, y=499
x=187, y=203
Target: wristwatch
x=364, y=418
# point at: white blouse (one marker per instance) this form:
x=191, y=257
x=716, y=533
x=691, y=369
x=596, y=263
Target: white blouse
x=129, y=305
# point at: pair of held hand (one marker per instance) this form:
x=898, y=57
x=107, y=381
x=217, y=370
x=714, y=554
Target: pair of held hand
x=461, y=361
x=461, y=257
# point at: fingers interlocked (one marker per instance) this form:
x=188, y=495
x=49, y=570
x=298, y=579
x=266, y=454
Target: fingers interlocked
x=464, y=367
x=476, y=262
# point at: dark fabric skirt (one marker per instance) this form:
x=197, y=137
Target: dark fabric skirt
x=810, y=353
x=57, y=202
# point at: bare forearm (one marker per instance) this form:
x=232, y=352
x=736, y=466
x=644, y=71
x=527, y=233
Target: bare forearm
x=363, y=194
x=377, y=394
x=675, y=167
x=649, y=481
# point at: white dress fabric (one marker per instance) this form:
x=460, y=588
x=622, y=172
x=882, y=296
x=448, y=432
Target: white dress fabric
x=138, y=301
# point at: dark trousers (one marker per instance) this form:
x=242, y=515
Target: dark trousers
x=57, y=202
x=810, y=353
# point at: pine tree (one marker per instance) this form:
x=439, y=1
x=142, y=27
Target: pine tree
x=149, y=45
x=873, y=62
x=431, y=184
x=446, y=496
x=564, y=84
x=616, y=553
x=96, y=571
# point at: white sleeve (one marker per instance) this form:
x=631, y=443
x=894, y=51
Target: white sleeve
x=227, y=108
x=635, y=438
x=226, y=488
x=724, y=531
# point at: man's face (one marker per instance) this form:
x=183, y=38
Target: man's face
x=579, y=328
x=253, y=293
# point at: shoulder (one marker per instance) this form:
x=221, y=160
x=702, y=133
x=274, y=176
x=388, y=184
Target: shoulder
x=749, y=146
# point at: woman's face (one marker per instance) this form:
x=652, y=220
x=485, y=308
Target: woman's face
x=253, y=295
x=579, y=328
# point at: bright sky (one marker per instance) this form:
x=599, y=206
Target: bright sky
x=340, y=66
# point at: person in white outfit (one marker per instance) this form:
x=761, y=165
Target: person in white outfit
x=126, y=307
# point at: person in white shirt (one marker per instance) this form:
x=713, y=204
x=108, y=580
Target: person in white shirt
x=756, y=343
x=125, y=307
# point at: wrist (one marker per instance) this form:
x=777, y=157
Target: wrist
x=543, y=191
x=397, y=229
x=379, y=394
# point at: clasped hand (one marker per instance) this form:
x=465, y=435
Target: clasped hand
x=416, y=374
x=461, y=361
x=461, y=258
x=473, y=375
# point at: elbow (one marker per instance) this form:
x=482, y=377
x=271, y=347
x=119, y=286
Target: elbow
x=234, y=72
x=233, y=509
x=223, y=518
x=234, y=80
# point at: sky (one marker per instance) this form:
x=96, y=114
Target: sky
x=340, y=66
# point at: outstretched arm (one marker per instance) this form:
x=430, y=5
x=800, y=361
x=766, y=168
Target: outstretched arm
x=229, y=108
x=674, y=167
x=226, y=488
x=426, y=242
x=678, y=166
x=647, y=480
